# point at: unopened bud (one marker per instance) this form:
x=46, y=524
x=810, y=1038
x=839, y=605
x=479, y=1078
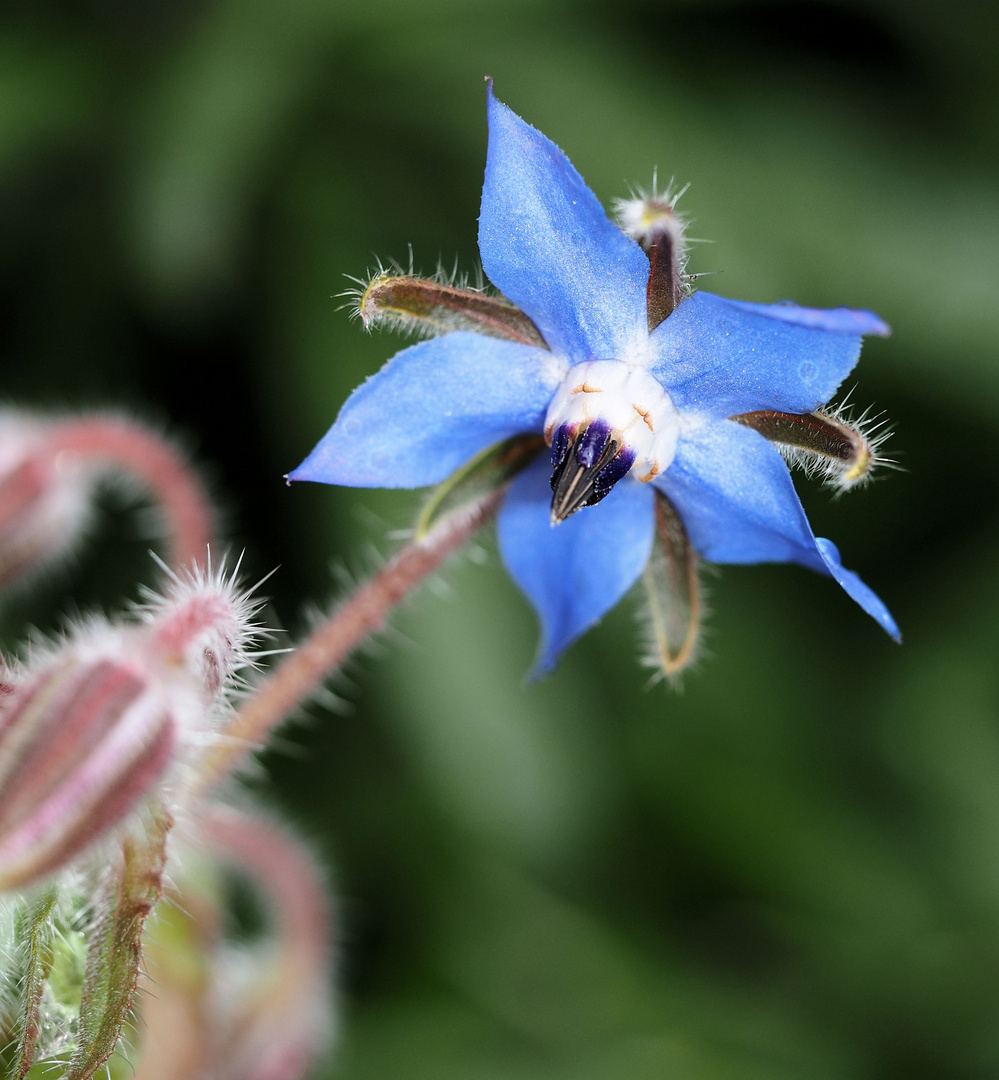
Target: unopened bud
x=98, y=725
x=203, y=625
x=44, y=498
x=80, y=743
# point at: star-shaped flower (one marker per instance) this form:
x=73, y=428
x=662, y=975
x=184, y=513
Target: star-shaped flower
x=661, y=405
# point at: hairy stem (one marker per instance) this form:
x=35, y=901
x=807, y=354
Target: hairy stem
x=302, y=671
x=126, y=446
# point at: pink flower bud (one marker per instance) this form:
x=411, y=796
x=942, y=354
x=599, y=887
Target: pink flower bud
x=93, y=728
x=80, y=744
x=44, y=498
x=202, y=624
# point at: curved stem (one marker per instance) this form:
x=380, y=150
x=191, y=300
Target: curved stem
x=302, y=671
x=162, y=470
x=274, y=1027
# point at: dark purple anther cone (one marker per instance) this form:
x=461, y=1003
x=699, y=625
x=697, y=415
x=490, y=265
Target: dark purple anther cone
x=587, y=465
x=592, y=443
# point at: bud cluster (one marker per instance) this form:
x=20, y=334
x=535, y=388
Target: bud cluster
x=105, y=738
x=94, y=724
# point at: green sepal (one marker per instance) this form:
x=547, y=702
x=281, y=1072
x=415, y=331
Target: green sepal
x=478, y=478
x=673, y=593
x=25, y=980
x=115, y=948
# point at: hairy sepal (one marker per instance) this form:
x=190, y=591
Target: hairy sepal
x=478, y=479
x=433, y=307
x=131, y=891
x=673, y=595
x=44, y=949
x=33, y=931
x=651, y=221
x=825, y=442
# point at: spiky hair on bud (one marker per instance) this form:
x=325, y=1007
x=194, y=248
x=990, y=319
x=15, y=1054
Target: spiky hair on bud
x=650, y=214
x=203, y=621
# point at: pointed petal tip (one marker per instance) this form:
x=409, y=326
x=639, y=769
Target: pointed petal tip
x=857, y=590
x=544, y=666
x=548, y=246
x=575, y=574
x=303, y=472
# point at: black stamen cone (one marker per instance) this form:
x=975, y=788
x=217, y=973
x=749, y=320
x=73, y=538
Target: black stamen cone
x=587, y=466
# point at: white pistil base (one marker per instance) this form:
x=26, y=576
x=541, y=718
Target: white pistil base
x=634, y=406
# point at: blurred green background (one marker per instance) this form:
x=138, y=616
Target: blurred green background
x=791, y=869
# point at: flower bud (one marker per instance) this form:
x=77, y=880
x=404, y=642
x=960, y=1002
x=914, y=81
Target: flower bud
x=44, y=498
x=98, y=724
x=202, y=626
x=80, y=743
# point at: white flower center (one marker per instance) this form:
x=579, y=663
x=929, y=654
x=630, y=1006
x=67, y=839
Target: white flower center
x=629, y=401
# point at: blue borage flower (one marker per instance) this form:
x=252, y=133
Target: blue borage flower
x=653, y=398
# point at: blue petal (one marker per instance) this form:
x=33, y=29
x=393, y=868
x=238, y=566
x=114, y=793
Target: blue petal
x=723, y=357
x=548, y=246
x=575, y=572
x=864, y=596
x=431, y=408
x=735, y=496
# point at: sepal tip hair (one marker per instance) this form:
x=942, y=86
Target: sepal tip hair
x=843, y=451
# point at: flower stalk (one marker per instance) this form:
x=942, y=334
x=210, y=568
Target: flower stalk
x=301, y=672
x=119, y=444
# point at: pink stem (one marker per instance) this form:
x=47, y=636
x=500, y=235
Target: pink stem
x=275, y=1027
x=328, y=645
x=122, y=444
